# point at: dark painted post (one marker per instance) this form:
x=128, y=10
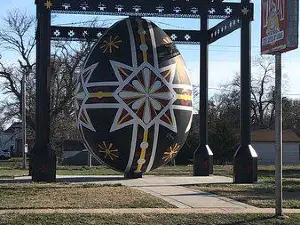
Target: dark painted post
x=43, y=158
x=203, y=156
x=245, y=158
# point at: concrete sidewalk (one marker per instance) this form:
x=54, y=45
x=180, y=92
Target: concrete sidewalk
x=186, y=198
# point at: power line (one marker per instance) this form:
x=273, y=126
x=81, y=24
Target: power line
x=85, y=22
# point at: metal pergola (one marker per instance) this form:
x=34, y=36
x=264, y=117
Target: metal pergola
x=233, y=15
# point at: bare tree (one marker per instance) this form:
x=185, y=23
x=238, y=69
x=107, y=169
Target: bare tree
x=17, y=36
x=262, y=91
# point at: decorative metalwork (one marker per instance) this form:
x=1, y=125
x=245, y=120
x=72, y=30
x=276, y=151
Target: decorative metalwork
x=215, y=9
x=93, y=34
x=222, y=29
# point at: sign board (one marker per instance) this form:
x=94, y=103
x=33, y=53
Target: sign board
x=279, y=26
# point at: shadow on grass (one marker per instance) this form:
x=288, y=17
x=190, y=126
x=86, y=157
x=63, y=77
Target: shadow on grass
x=66, y=180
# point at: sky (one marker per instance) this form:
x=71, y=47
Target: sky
x=224, y=54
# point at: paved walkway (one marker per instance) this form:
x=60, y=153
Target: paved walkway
x=170, y=189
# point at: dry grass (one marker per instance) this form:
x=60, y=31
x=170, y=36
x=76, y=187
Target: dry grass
x=34, y=196
x=148, y=219
x=260, y=195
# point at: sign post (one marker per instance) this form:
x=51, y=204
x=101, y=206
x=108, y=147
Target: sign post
x=279, y=34
x=278, y=138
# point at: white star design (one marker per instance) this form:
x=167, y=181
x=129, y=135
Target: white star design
x=137, y=8
x=160, y=9
x=84, y=7
x=99, y=34
x=66, y=6
x=211, y=11
x=85, y=33
x=177, y=9
x=187, y=37
x=144, y=100
x=119, y=8
x=71, y=33
x=146, y=95
x=194, y=10
x=82, y=96
x=228, y=10
x=101, y=7
x=173, y=37
x=56, y=33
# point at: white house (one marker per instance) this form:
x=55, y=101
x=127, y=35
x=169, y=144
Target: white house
x=9, y=138
x=263, y=141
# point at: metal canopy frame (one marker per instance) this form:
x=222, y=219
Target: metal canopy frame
x=235, y=15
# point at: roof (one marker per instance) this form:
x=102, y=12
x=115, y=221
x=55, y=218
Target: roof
x=269, y=136
x=12, y=128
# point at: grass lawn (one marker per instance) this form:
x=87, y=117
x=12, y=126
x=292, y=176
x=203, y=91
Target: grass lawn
x=161, y=171
x=34, y=196
x=147, y=219
x=11, y=168
x=263, y=193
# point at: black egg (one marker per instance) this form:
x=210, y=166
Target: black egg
x=134, y=98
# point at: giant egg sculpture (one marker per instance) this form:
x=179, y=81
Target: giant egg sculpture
x=134, y=98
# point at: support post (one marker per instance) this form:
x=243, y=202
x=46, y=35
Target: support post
x=245, y=158
x=203, y=156
x=24, y=122
x=89, y=159
x=278, y=131
x=132, y=175
x=43, y=158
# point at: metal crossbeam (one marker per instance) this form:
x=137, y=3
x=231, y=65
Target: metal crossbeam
x=92, y=34
x=215, y=9
x=222, y=29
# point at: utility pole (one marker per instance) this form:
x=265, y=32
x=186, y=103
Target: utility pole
x=24, y=121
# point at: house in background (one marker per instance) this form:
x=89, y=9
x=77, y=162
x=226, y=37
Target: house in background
x=9, y=139
x=263, y=141
x=75, y=153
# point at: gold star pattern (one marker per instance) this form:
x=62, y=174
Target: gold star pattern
x=110, y=44
x=172, y=151
x=48, y=4
x=108, y=150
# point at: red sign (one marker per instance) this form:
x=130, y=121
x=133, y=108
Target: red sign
x=279, y=26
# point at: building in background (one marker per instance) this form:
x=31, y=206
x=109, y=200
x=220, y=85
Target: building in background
x=263, y=141
x=76, y=154
x=9, y=139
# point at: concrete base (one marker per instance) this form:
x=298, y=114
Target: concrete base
x=245, y=165
x=203, y=161
x=133, y=175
